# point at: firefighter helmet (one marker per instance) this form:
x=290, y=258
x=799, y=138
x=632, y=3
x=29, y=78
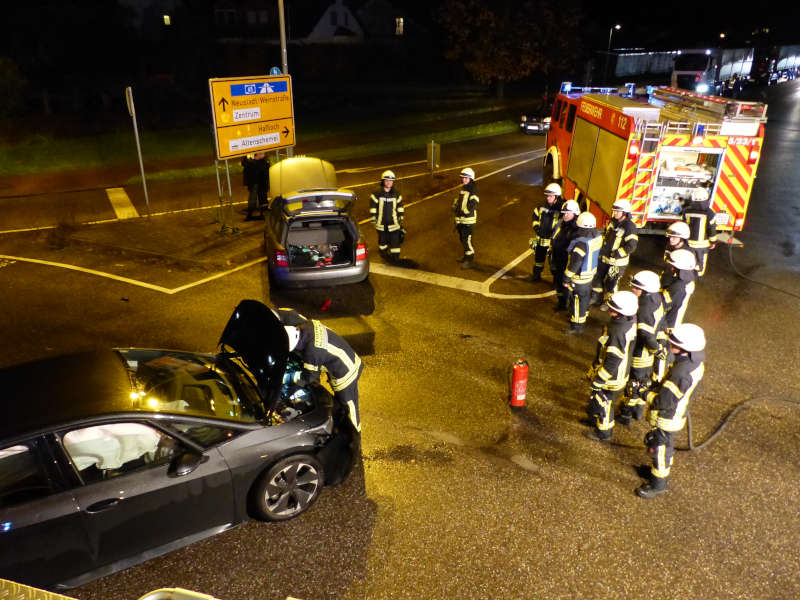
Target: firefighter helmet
x=387, y=175
x=700, y=194
x=621, y=205
x=586, y=220
x=682, y=259
x=647, y=281
x=679, y=229
x=552, y=188
x=293, y=333
x=570, y=206
x=688, y=337
x=624, y=303
x=467, y=172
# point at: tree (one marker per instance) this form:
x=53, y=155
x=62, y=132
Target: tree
x=508, y=40
x=12, y=86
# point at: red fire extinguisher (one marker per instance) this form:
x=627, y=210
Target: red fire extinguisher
x=519, y=383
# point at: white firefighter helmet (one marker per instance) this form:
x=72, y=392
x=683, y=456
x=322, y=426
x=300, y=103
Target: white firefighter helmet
x=683, y=259
x=688, y=337
x=647, y=281
x=624, y=303
x=387, y=175
x=622, y=205
x=467, y=172
x=700, y=194
x=570, y=206
x=293, y=333
x=586, y=220
x=679, y=229
x=552, y=188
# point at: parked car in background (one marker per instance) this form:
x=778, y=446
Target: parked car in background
x=113, y=457
x=310, y=236
x=533, y=124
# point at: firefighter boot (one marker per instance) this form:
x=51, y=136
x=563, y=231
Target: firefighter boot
x=467, y=262
x=654, y=487
x=537, y=274
x=462, y=259
x=598, y=436
x=574, y=328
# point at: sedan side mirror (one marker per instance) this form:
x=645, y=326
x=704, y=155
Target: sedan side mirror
x=185, y=463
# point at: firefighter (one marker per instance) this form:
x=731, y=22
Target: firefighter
x=323, y=350
x=619, y=242
x=677, y=288
x=702, y=225
x=611, y=367
x=583, y=254
x=465, y=208
x=649, y=317
x=386, y=212
x=544, y=222
x=565, y=230
x=668, y=404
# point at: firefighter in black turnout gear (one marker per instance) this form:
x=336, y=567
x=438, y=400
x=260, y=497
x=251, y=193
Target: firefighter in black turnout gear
x=323, y=350
x=649, y=332
x=386, y=212
x=583, y=252
x=677, y=284
x=566, y=229
x=465, y=208
x=668, y=404
x=619, y=242
x=609, y=372
x=702, y=226
x=544, y=222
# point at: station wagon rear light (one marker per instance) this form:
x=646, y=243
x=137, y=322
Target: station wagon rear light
x=281, y=259
x=361, y=252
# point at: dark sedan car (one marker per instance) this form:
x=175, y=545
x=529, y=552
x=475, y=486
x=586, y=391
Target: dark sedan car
x=110, y=458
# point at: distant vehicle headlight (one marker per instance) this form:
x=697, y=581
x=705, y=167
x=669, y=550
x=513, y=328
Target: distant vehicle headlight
x=701, y=88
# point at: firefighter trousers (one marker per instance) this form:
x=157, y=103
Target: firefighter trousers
x=539, y=257
x=558, y=285
x=578, y=302
x=702, y=260
x=606, y=281
x=601, y=409
x=389, y=240
x=660, y=446
x=465, y=235
x=348, y=398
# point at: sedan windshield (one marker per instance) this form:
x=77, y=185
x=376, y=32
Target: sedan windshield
x=201, y=385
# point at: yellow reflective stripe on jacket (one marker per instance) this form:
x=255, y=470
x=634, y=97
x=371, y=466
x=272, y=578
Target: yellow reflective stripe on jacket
x=678, y=420
x=352, y=374
x=353, y=366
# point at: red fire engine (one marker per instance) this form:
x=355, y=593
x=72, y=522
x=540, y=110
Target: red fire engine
x=654, y=152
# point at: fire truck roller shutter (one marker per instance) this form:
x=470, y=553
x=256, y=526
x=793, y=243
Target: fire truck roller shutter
x=581, y=154
x=608, y=162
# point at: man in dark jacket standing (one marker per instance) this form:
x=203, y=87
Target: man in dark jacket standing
x=566, y=229
x=386, y=212
x=619, y=242
x=702, y=227
x=668, y=405
x=255, y=175
x=465, y=208
x=544, y=222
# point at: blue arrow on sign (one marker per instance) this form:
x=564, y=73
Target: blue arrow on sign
x=248, y=89
x=275, y=71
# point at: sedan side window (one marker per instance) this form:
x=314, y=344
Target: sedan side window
x=22, y=476
x=106, y=451
x=205, y=435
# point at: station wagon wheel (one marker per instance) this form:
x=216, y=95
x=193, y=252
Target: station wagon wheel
x=288, y=488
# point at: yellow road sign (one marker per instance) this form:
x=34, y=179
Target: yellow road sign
x=251, y=114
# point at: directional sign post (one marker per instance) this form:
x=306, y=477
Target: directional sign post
x=251, y=114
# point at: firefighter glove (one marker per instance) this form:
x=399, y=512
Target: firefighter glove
x=652, y=417
x=613, y=271
x=532, y=243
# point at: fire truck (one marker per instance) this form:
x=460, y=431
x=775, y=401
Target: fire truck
x=655, y=151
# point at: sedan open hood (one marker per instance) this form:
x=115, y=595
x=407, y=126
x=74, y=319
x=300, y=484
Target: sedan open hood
x=258, y=337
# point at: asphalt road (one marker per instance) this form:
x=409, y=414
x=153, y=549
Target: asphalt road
x=456, y=496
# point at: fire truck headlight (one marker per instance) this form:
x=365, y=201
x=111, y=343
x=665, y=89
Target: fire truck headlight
x=701, y=88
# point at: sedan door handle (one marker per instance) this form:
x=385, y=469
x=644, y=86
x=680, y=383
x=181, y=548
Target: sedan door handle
x=102, y=505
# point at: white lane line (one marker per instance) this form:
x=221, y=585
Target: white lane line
x=500, y=272
x=509, y=203
x=128, y=280
x=456, y=283
x=122, y=205
x=455, y=187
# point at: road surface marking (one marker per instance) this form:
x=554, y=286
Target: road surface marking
x=143, y=284
x=122, y=205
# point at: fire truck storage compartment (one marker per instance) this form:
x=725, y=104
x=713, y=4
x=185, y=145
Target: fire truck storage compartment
x=318, y=243
x=595, y=162
x=680, y=172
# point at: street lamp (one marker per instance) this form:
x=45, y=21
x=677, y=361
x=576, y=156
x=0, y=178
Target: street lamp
x=608, y=51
